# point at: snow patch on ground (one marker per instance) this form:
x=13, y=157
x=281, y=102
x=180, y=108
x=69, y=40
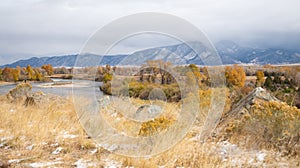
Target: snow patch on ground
x=112, y=164
x=85, y=163
x=66, y=135
x=237, y=157
x=44, y=164
x=55, y=144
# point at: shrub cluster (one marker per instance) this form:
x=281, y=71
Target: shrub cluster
x=154, y=126
x=135, y=89
x=272, y=124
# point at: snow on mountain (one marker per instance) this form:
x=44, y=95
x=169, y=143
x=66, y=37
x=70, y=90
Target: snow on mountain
x=180, y=54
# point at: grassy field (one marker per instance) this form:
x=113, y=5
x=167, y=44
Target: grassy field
x=50, y=135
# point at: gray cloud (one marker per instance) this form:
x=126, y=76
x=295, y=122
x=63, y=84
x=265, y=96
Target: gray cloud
x=55, y=27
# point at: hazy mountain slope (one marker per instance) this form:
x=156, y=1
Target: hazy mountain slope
x=230, y=53
x=233, y=53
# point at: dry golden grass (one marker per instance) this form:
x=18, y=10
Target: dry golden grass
x=45, y=127
x=31, y=134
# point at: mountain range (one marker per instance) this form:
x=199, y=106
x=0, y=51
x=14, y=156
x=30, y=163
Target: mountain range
x=179, y=54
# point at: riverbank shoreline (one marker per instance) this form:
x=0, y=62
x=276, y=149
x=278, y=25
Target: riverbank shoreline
x=3, y=83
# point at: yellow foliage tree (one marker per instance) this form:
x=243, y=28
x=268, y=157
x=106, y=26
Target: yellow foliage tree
x=30, y=72
x=260, y=78
x=191, y=79
x=15, y=74
x=38, y=75
x=235, y=76
x=7, y=74
x=48, y=68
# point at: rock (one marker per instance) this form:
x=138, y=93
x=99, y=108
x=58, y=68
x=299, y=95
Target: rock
x=57, y=151
x=19, y=93
x=146, y=112
x=239, y=112
x=39, y=99
x=258, y=95
x=30, y=147
x=44, y=164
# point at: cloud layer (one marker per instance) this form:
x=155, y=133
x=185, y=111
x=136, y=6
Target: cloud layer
x=55, y=27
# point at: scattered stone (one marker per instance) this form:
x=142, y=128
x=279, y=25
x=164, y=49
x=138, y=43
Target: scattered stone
x=57, y=151
x=44, y=143
x=30, y=147
x=241, y=108
x=260, y=156
x=146, y=112
x=105, y=101
x=55, y=144
x=112, y=163
x=94, y=151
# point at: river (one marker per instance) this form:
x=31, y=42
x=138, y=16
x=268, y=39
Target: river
x=64, y=89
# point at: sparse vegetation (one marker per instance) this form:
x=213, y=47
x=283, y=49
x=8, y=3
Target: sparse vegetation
x=269, y=125
x=50, y=131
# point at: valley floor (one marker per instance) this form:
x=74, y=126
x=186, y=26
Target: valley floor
x=50, y=135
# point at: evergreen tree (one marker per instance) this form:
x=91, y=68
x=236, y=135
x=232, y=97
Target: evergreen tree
x=269, y=83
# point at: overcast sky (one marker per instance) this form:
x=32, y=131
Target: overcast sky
x=57, y=27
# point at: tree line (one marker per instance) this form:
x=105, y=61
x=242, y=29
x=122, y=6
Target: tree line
x=26, y=73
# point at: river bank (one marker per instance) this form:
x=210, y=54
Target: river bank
x=61, y=87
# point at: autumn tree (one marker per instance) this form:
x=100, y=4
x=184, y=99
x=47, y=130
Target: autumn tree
x=194, y=67
x=157, y=68
x=48, y=68
x=260, y=78
x=100, y=70
x=19, y=69
x=30, y=72
x=107, y=69
x=38, y=75
x=15, y=74
x=151, y=70
x=107, y=77
x=166, y=76
x=235, y=76
x=7, y=74
x=199, y=77
x=191, y=80
x=1, y=74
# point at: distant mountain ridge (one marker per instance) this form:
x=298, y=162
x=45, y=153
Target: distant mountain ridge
x=230, y=53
